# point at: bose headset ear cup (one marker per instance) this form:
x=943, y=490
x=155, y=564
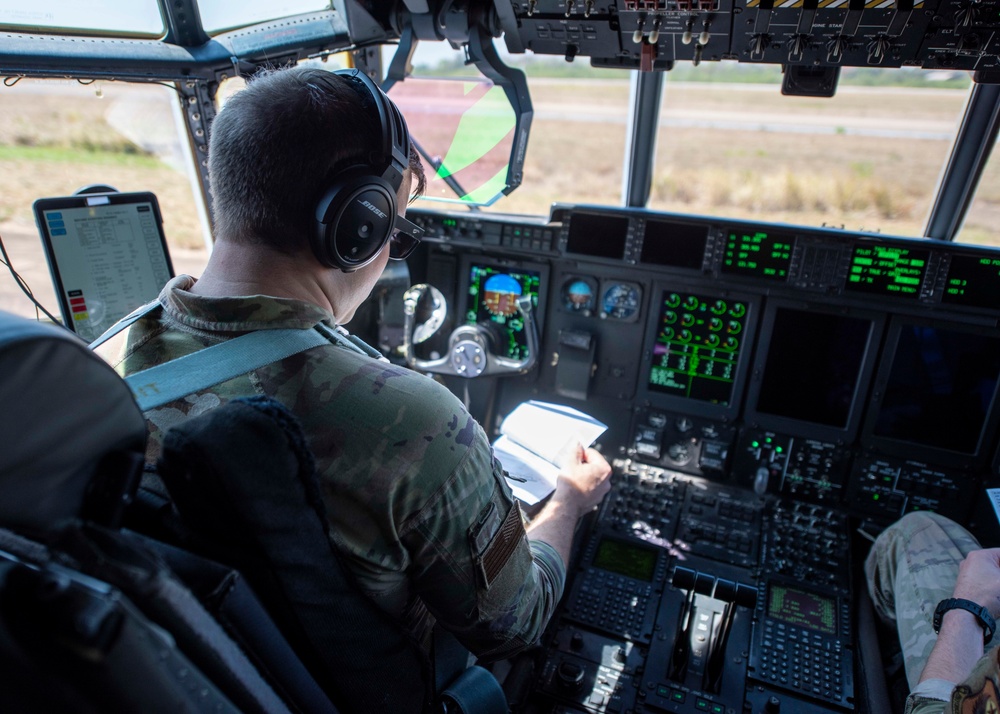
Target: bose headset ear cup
x=356, y=214
x=354, y=220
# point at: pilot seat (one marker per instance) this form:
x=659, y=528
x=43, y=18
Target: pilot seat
x=97, y=617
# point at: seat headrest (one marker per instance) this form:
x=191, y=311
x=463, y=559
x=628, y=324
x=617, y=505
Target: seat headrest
x=72, y=439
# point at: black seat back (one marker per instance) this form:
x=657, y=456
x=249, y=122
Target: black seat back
x=259, y=507
x=72, y=440
x=91, y=618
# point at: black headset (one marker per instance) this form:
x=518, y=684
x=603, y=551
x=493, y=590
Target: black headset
x=356, y=214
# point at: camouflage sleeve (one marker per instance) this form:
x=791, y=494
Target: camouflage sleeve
x=912, y=566
x=980, y=692
x=473, y=564
x=929, y=697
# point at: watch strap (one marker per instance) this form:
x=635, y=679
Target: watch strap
x=986, y=620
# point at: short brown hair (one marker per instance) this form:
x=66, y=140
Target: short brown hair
x=275, y=147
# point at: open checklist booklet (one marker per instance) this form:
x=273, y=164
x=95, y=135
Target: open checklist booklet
x=536, y=440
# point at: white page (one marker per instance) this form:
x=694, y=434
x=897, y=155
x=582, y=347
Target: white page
x=550, y=430
x=530, y=477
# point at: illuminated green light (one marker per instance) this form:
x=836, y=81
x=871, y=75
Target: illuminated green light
x=755, y=444
x=777, y=449
x=874, y=496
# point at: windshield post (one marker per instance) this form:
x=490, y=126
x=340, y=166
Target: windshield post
x=645, y=93
x=969, y=154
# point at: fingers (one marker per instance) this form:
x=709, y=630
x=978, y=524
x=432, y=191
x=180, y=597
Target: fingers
x=593, y=456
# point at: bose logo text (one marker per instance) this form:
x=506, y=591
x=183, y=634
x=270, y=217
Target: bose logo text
x=372, y=208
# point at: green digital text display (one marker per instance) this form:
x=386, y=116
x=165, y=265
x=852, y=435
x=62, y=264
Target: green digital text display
x=760, y=254
x=973, y=280
x=626, y=559
x=887, y=270
x=802, y=609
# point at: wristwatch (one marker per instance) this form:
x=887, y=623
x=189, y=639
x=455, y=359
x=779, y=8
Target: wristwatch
x=986, y=620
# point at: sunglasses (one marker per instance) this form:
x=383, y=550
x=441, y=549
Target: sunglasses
x=404, y=239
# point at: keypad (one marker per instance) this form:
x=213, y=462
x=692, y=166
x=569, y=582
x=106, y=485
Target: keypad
x=796, y=658
x=613, y=602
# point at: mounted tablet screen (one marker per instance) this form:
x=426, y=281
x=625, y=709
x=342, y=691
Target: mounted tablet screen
x=107, y=256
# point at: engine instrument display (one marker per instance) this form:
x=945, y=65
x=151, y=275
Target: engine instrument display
x=621, y=301
x=698, y=347
x=492, y=303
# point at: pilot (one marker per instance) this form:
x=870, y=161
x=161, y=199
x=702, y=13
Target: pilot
x=418, y=504
x=929, y=577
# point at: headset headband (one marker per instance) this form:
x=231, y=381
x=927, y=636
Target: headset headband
x=395, y=137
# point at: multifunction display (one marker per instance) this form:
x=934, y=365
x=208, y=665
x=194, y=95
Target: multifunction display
x=813, y=365
x=758, y=254
x=698, y=345
x=940, y=389
x=887, y=270
x=492, y=303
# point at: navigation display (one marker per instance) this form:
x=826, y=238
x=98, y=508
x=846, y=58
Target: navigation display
x=802, y=609
x=758, y=254
x=973, y=280
x=940, y=388
x=698, y=346
x=887, y=270
x=812, y=367
x=492, y=303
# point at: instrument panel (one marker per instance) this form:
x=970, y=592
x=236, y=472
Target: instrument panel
x=698, y=340
x=767, y=388
x=654, y=34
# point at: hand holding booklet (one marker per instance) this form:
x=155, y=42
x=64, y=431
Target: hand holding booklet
x=536, y=440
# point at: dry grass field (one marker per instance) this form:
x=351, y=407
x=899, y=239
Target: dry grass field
x=868, y=159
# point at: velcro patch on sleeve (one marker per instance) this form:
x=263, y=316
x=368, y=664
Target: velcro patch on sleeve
x=502, y=547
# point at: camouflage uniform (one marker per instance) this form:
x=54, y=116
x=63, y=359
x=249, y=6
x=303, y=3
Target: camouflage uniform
x=912, y=566
x=416, y=500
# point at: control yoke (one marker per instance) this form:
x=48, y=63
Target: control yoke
x=468, y=353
